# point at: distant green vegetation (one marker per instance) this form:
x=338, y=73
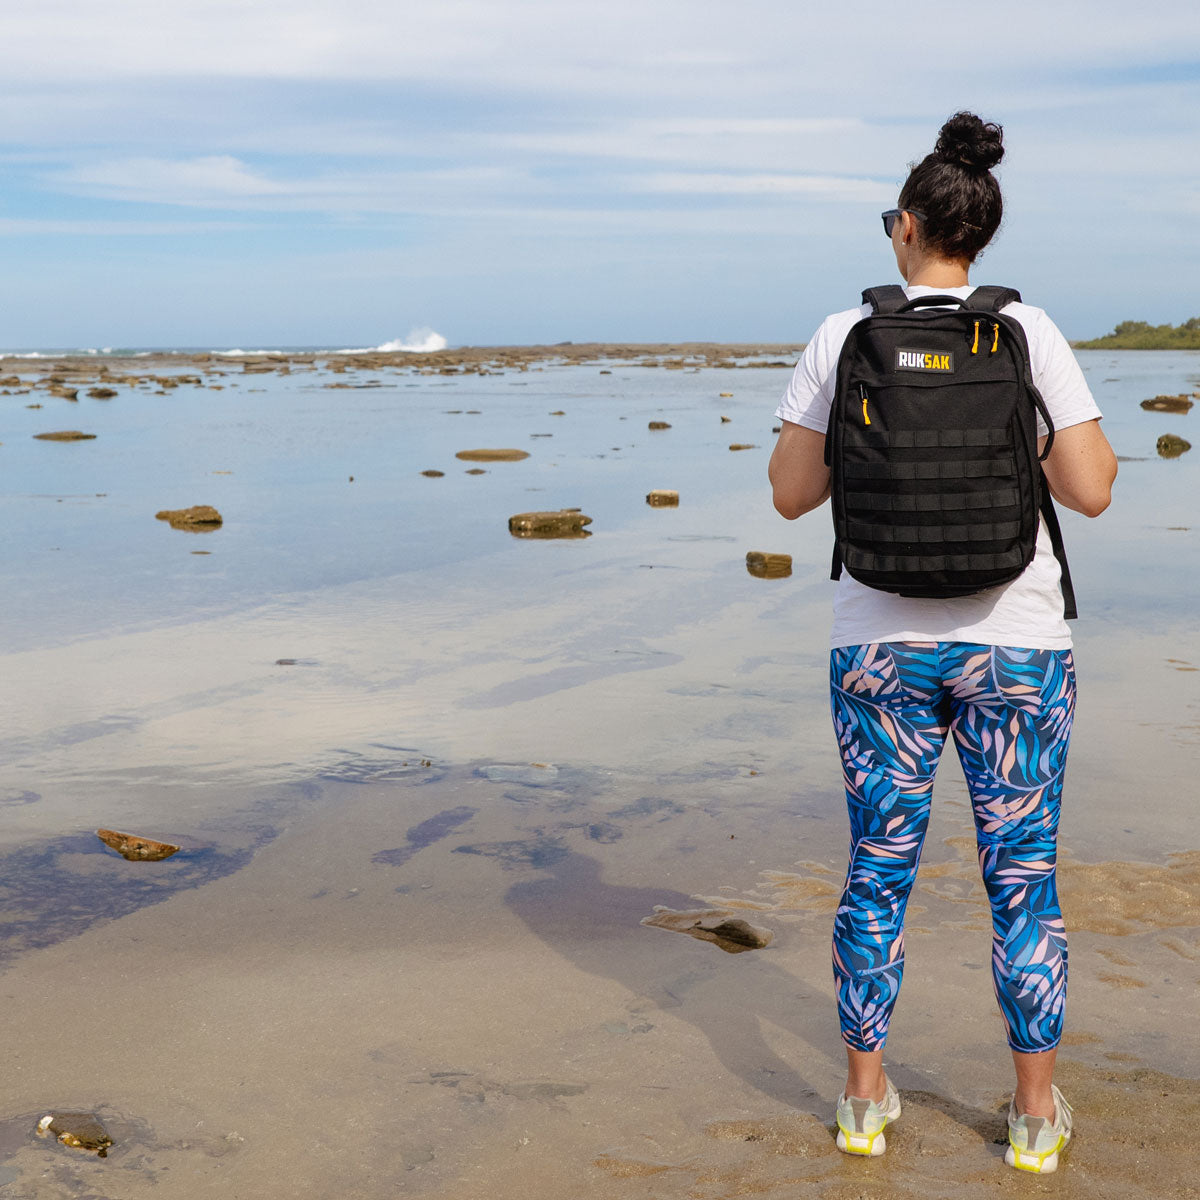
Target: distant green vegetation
x=1140, y=335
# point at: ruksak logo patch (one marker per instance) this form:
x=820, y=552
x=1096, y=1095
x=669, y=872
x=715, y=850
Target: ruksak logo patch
x=924, y=360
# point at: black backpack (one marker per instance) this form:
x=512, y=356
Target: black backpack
x=935, y=478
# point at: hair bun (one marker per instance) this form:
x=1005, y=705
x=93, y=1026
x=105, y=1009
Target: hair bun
x=969, y=142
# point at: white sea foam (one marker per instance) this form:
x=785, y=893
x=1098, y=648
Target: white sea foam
x=246, y=353
x=419, y=341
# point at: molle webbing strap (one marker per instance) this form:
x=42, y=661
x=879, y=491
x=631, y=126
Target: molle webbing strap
x=929, y=439
x=927, y=471
x=992, y=298
x=932, y=501
x=935, y=534
x=864, y=560
x=886, y=298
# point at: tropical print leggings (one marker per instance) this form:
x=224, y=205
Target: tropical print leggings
x=1010, y=712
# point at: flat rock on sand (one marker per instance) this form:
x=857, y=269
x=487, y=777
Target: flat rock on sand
x=492, y=455
x=64, y=435
x=564, y=523
x=731, y=933
x=199, y=517
x=135, y=848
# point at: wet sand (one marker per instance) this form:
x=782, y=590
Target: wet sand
x=423, y=812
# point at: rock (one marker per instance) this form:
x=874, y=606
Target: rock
x=776, y=428
x=1169, y=404
x=433, y=474
x=732, y=934
x=726, y=395
x=659, y=425
x=1171, y=446
x=742, y=446
x=102, y=393
x=65, y=393
x=10, y=381
x=558, y=412
x=764, y=565
x=474, y=471
x=198, y=517
x=65, y=435
x=84, y=1131
x=661, y=498
x=725, y=420
x=492, y=455
x=135, y=848
x=565, y=523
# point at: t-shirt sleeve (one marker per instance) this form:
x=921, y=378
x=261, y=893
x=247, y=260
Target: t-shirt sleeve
x=809, y=395
x=1057, y=375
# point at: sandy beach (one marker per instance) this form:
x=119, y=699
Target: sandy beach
x=429, y=778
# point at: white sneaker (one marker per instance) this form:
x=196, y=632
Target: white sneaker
x=861, y=1122
x=1034, y=1142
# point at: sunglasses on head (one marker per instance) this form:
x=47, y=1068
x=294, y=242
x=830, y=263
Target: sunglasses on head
x=893, y=215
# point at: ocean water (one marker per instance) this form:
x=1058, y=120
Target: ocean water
x=428, y=777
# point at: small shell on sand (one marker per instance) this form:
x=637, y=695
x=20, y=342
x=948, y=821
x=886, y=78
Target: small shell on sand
x=492, y=455
x=65, y=435
x=198, y=517
x=134, y=848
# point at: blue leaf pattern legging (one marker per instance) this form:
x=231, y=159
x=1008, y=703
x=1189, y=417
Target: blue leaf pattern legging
x=1010, y=712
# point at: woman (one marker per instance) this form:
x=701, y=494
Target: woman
x=994, y=669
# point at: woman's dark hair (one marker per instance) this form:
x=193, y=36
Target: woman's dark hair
x=955, y=188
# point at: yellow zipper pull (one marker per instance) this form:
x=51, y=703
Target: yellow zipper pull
x=862, y=391
x=975, y=346
x=995, y=337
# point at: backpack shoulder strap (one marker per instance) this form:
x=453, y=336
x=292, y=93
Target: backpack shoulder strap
x=992, y=298
x=886, y=298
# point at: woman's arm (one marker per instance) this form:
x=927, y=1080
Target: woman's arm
x=798, y=474
x=1081, y=468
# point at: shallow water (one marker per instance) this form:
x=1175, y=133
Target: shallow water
x=401, y=946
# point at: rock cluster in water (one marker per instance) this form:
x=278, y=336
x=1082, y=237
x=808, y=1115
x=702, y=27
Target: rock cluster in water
x=134, y=848
x=199, y=517
x=765, y=565
x=1169, y=404
x=563, y=523
x=1170, y=445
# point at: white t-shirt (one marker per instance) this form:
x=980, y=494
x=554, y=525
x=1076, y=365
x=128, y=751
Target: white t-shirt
x=1026, y=612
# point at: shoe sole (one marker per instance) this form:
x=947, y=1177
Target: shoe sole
x=1040, y=1164
x=870, y=1145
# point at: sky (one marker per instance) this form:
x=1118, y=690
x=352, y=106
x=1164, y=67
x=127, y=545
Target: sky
x=257, y=173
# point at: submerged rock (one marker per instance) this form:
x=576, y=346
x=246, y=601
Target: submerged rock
x=135, y=848
x=659, y=425
x=764, y=565
x=492, y=455
x=102, y=393
x=198, y=518
x=731, y=934
x=84, y=1131
x=1169, y=404
x=565, y=523
x=1170, y=445
x=662, y=498
x=64, y=435
x=431, y=474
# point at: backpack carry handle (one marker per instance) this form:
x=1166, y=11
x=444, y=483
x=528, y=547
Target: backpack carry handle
x=932, y=302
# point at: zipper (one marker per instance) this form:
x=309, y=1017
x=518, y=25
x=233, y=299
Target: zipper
x=862, y=391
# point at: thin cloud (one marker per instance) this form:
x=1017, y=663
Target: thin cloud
x=830, y=187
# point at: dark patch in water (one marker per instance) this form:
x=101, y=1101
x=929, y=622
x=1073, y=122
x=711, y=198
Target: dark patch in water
x=539, y=853
x=604, y=832
x=648, y=806
x=14, y=798
x=46, y=901
x=425, y=834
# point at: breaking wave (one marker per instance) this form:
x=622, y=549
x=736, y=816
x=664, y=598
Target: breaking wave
x=419, y=341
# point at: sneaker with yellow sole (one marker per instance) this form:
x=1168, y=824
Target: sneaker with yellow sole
x=861, y=1122
x=1034, y=1143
